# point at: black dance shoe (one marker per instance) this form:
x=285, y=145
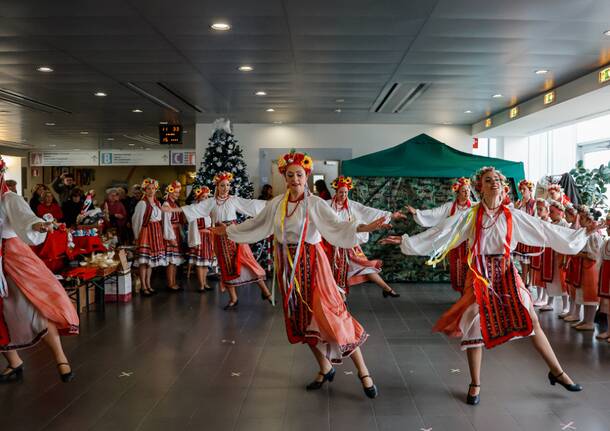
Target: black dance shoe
x=267, y=297
x=14, y=375
x=65, y=377
x=328, y=377
x=371, y=391
x=208, y=288
x=574, y=387
x=390, y=293
x=473, y=400
x=231, y=306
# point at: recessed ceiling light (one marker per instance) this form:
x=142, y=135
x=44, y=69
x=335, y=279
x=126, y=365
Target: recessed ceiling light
x=277, y=122
x=245, y=68
x=338, y=110
x=339, y=100
x=132, y=145
x=137, y=111
x=260, y=93
x=185, y=131
x=468, y=112
x=221, y=26
x=84, y=132
x=49, y=124
x=541, y=72
x=100, y=94
x=270, y=110
x=497, y=96
x=147, y=149
x=52, y=145
x=45, y=69
x=607, y=33
x=447, y=123
x=110, y=139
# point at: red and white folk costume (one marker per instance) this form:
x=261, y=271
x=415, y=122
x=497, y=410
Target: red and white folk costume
x=236, y=261
x=350, y=265
x=604, y=280
x=201, y=251
x=523, y=252
x=495, y=306
x=147, y=224
x=458, y=257
x=542, y=263
x=172, y=232
x=314, y=310
x=30, y=295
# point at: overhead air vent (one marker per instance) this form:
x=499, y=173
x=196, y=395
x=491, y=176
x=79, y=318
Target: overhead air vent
x=27, y=102
x=13, y=144
x=145, y=139
x=397, y=97
x=179, y=97
x=151, y=97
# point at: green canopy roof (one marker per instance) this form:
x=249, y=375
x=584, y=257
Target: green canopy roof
x=424, y=156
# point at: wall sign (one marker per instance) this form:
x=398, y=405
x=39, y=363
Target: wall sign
x=182, y=158
x=134, y=158
x=64, y=158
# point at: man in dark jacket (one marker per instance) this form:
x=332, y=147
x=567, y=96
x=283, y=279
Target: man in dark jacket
x=63, y=185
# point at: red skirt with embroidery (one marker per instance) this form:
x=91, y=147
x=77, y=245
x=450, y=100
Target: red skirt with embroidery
x=150, y=246
x=589, y=281
x=458, y=266
x=174, y=251
x=237, y=263
x=203, y=254
x=604, y=280
x=346, y=261
x=574, y=271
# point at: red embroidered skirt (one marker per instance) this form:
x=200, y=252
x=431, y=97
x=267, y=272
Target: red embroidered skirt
x=350, y=265
x=589, y=285
x=203, y=254
x=236, y=261
x=314, y=310
x=604, y=280
x=174, y=252
x=458, y=266
x=150, y=246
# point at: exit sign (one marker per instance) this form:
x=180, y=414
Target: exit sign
x=604, y=75
x=170, y=134
x=549, y=97
x=514, y=112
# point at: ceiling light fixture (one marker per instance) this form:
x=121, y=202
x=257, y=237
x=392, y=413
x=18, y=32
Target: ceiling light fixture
x=110, y=139
x=49, y=124
x=541, y=72
x=132, y=145
x=497, y=96
x=338, y=110
x=245, y=68
x=468, y=112
x=270, y=110
x=45, y=69
x=84, y=132
x=52, y=145
x=221, y=26
x=339, y=100
x=277, y=122
x=137, y=111
x=100, y=94
x=260, y=93
x=607, y=33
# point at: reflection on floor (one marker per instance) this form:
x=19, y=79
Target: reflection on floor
x=179, y=362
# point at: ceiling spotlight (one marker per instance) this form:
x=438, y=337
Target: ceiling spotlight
x=132, y=145
x=110, y=139
x=468, y=112
x=270, y=110
x=339, y=100
x=447, y=123
x=541, y=72
x=245, y=68
x=45, y=69
x=100, y=94
x=497, y=96
x=260, y=93
x=607, y=33
x=147, y=149
x=52, y=145
x=49, y=124
x=137, y=111
x=338, y=110
x=277, y=122
x=84, y=132
x=221, y=26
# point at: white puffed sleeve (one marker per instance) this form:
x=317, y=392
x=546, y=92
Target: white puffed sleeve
x=339, y=233
x=21, y=218
x=530, y=230
x=427, y=242
x=168, y=232
x=138, y=218
x=248, y=207
x=199, y=209
x=368, y=215
x=433, y=216
x=594, y=245
x=257, y=228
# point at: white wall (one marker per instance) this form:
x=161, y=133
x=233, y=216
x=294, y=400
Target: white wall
x=361, y=138
x=13, y=170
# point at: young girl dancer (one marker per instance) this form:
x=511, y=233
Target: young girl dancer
x=172, y=223
x=351, y=266
x=201, y=252
x=314, y=311
x=458, y=264
x=495, y=307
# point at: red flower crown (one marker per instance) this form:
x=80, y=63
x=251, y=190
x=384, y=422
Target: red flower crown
x=221, y=176
x=199, y=191
x=150, y=181
x=342, y=182
x=526, y=183
x=460, y=183
x=554, y=188
x=174, y=186
x=478, y=178
x=294, y=158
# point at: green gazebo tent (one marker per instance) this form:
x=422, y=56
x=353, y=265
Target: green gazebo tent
x=419, y=172
x=425, y=157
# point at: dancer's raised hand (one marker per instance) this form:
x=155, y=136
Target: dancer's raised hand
x=410, y=209
x=391, y=239
x=376, y=225
x=398, y=215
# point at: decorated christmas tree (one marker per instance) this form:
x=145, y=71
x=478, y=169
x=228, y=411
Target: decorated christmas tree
x=224, y=154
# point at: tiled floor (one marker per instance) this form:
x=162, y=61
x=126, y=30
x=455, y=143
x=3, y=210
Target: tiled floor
x=179, y=362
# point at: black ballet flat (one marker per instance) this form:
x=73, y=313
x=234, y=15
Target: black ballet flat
x=147, y=293
x=201, y=290
x=328, y=377
x=390, y=293
x=208, y=288
x=15, y=374
x=574, y=387
x=231, y=306
x=473, y=400
x=66, y=377
x=267, y=297
x=371, y=391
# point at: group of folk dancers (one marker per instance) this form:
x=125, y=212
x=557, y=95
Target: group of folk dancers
x=317, y=257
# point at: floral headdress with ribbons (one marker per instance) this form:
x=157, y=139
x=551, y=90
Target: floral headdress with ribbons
x=172, y=187
x=221, y=176
x=150, y=181
x=199, y=191
x=460, y=183
x=526, y=183
x=342, y=181
x=557, y=204
x=294, y=158
x=543, y=202
x=478, y=178
x=554, y=188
